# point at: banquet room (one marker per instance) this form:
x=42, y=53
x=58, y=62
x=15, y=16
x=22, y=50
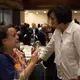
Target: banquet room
x=33, y=26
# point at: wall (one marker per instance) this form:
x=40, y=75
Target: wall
x=16, y=17
x=77, y=16
x=8, y=16
x=39, y=18
x=0, y=15
x=22, y=17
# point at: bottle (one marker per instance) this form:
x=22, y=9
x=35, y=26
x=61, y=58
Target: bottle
x=35, y=46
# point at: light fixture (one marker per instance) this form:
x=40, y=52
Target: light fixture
x=37, y=13
x=45, y=12
x=26, y=11
x=75, y=11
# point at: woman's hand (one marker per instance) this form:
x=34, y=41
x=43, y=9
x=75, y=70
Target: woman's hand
x=34, y=57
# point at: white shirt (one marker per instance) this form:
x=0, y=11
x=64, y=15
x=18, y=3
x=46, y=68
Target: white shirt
x=34, y=32
x=67, y=51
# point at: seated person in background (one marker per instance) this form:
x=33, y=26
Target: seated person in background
x=42, y=35
x=22, y=33
x=25, y=34
x=34, y=32
x=9, y=41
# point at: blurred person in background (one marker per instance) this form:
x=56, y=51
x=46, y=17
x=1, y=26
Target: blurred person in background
x=42, y=35
x=25, y=34
x=34, y=32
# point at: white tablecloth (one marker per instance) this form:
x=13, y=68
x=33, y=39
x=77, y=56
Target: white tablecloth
x=27, y=50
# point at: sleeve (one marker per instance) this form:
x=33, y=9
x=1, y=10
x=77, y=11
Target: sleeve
x=76, y=39
x=48, y=50
x=6, y=70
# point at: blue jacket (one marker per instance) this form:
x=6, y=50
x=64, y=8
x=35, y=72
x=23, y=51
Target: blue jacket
x=7, y=70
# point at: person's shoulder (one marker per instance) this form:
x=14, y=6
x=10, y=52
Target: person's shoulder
x=56, y=31
x=5, y=59
x=75, y=27
x=2, y=57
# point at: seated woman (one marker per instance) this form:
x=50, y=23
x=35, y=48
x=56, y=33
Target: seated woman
x=9, y=41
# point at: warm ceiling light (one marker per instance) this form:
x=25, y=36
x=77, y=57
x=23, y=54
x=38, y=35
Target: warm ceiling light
x=37, y=13
x=26, y=12
x=45, y=12
x=75, y=11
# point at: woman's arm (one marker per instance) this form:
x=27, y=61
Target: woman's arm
x=27, y=71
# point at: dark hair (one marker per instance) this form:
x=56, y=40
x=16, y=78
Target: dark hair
x=3, y=34
x=39, y=25
x=62, y=12
x=76, y=21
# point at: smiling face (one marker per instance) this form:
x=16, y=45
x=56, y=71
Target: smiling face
x=12, y=39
